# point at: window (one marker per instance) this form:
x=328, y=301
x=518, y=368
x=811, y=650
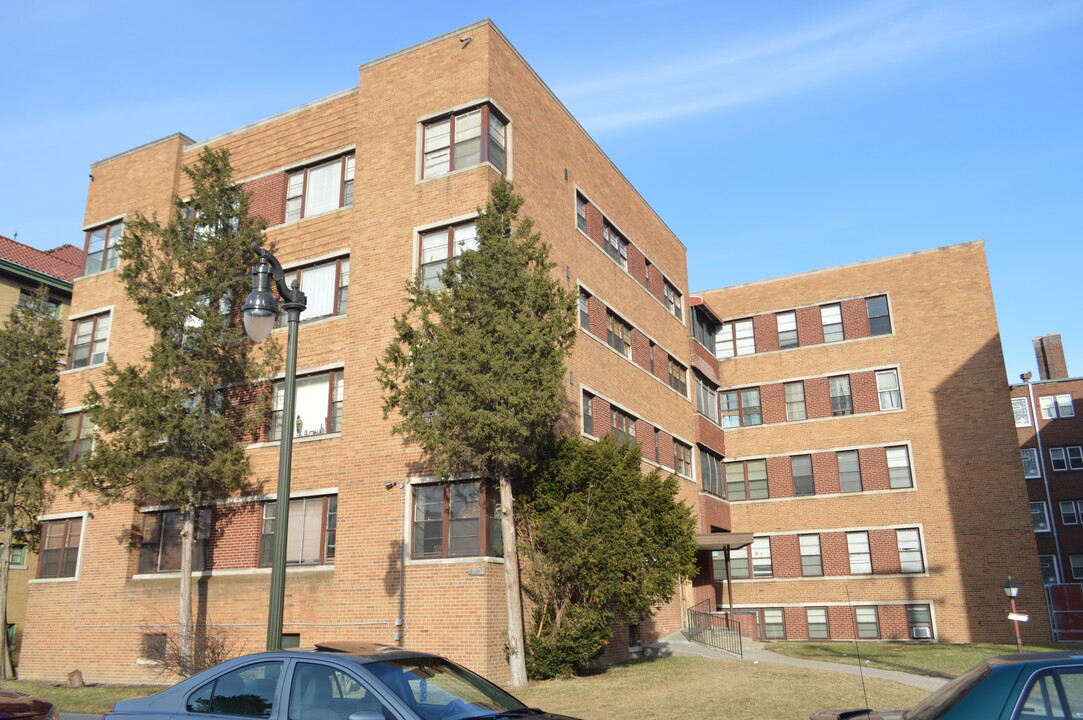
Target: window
x=584, y=310
x=1069, y=514
x=311, y=532
x=879, y=319
x=1050, y=570
x=816, y=618
x=1040, y=515
x=580, y=212
x=831, y=317
x=1077, y=566
x=672, y=297
x=1021, y=411
x=706, y=398
x=898, y=467
x=60, y=547
x=704, y=328
x=841, y=402
x=102, y=247
x=909, y=543
x=920, y=620
x=1056, y=406
x=78, y=436
x=811, y=562
x=710, y=466
x=25, y=297
x=89, y=341
x=774, y=624
x=803, y=483
x=887, y=385
x=160, y=550
x=750, y=407
x=455, y=142
x=326, y=288
x=857, y=545
x=153, y=647
x=588, y=414
x=795, y=400
x=618, y=335
x=735, y=338
x=17, y=556
x=739, y=567
x=849, y=470
x=657, y=454
x=746, y=480
x=615, y=245
x=682, y=459
x=868, y=626
x=439, y=246
x=761, y=558
x=647, y=274
x=678, y=377
x=319, y=188
x=622, y=424
x=787, y=329
x=318, y=406
x=1066, y=458
x=1030, y=463
x=246, y=692
x=457, y=519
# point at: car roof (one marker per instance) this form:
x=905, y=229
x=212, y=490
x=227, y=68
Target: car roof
x=1051, y=658
x=363, y=652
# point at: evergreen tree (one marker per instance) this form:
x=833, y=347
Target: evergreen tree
x=170, y=427
x=604, y=542
x=31, y=447
x=475, y=370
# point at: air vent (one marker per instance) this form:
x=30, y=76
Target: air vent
x=921, y=633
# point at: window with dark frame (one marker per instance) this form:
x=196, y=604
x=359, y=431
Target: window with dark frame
x=440, y=246
x=580, y=212
x=616, y=246
x=741, y=407
x=711, y=472
x=1050, y=569
x=704, y=328
x=682, y=459
x=706, y=398
x=89, y=340
x=920, y=620
x=879, y=318
x=746, y=480
x=816, y=619
x=78, y=436
x=841, y=401
x=326, y=287
x=60, y=547
x=787, y=329
x=588, y=414
x=618, y=334
x=311, y=531
x=803, y=481
x=678, y=377
x=160, y=548
x=811, y=560
x=456, y=519
x=774, y=624
x=868, y=624
x=320, y=188
x=622, y=425
x=317, y=404
x=584, y=310
x=737, y=337
x=25, y=298
x=464, y=139
x=103, y=247
x=849, y=470
x=672, y=299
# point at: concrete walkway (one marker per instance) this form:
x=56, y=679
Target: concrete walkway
x=677, y=645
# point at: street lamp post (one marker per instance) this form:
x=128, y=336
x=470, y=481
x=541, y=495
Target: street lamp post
x=260, y=311
x=1012, y=591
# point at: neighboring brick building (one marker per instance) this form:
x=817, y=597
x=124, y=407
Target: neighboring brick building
x=366, y=188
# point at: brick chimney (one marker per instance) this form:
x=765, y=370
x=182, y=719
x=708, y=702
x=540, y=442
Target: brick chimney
x=1050, y=354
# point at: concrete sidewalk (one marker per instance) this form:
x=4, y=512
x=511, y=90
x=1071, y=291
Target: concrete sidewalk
x=677, y=645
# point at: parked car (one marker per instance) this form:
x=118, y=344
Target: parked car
x=1032, y=686
x=333, y=681
x=20, y=706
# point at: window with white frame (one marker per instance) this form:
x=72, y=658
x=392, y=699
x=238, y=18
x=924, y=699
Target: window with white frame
x=774, y=624
x=1031, y=470
x=887, y=386
x=898, y=467
x=761, y=558
x=734, y=338
x=89, y=340
x=919, y=618
x=458, y=519
x=311, y=531
x=584, y=310
x=831, y=319
x=1050, y=569
x=440, y=246
x=588, y=413
x=879, y=318
x=868, y=624
x=581, y=212
x=803, y=481
x=816, y=619
x=78, y=436
x=857, y=546
x=811, y=561
x=849, y=470
x=739, y=567
x=326, y=287
x=1056, y=406
x=1077, y=566
x=1021, y=411
x=1069, y=512
x=318, y=405
x=795, y=400
x=103, y=247
x=463, y=140
x=909, y=544
x=787, y=329
x=320, y=188
x=1040, y=515
x=1066, y=458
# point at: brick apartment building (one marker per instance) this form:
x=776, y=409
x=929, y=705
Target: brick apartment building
x=368, y=187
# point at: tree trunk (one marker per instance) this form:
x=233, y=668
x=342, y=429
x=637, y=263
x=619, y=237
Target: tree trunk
x=185, y=634
x=512, y=587
x=6, y=670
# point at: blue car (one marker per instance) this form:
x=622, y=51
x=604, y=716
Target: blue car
x=334, y=681
x=1032, y=686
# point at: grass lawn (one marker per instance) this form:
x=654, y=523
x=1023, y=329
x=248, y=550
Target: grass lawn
x=935, y=659
x=688, y=688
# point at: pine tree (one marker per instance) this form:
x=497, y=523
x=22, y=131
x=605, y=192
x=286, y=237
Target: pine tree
x=476, y=370
x=170, y=427
x=31, y=448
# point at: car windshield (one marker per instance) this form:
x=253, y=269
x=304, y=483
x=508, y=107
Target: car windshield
x=437, y=689
x=942, y=700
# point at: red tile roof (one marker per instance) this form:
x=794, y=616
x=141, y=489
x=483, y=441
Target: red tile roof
x=64, y=262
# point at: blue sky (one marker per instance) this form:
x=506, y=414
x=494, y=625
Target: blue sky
x=773, y=137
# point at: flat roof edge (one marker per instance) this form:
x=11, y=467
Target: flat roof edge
x=183, y=138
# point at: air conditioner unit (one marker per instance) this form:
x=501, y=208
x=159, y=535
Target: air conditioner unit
x=921, y=633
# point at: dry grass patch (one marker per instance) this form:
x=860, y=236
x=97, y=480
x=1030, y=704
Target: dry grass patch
x=94, y=699
x=706, y=689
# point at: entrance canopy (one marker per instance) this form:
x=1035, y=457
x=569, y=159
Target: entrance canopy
x=723, y=541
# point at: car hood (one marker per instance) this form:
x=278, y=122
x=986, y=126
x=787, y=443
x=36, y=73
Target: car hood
x=20, y=705
x=857, y=715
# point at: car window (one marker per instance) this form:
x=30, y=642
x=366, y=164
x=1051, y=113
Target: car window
x=245, y=692
x=940, y=701
x=323, y=692
x=437, y=689
x=1055, y=694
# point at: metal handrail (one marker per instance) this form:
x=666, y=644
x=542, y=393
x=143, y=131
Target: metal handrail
x=714, y=629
